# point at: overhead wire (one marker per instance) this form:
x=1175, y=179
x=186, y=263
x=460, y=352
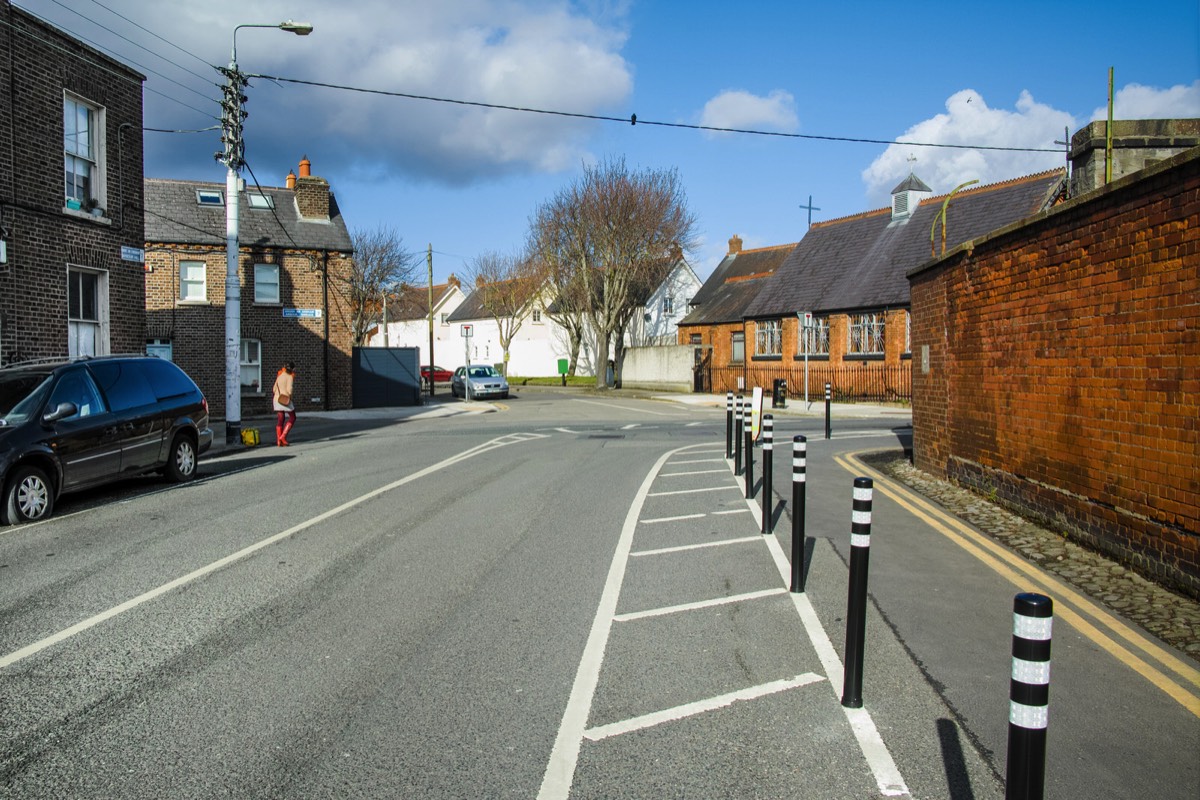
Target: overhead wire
x=94, y=63
x=634, y=120
x=155, y=35
x=138, y=45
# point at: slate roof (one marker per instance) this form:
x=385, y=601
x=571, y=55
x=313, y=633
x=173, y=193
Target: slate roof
x=734, y=284
x=859, y=262
x=412, y=302
x=173, y=216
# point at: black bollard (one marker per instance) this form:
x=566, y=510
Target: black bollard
x=1029, y=694
x=747, y=421
x=737, y=436
x=729, y=424
x=828, y=399
x=856, y=603
x=768, y=448
x=799, y=467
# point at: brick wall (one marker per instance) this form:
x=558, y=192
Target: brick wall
x=38, y=64
x=197, y=330
x=1064, y=368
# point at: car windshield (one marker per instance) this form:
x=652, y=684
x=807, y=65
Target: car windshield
x=484, y=372
x=21, y=396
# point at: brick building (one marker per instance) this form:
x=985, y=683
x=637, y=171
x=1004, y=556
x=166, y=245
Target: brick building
x=71, y=157
x=1057, y=364
x=295, y=258
x=848, y=276
x=715, y=319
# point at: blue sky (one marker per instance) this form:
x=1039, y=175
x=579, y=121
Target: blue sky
x=466, y=179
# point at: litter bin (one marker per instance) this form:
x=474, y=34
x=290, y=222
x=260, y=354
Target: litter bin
x=779, y=393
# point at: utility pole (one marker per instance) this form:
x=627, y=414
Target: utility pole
x=233, y=113
x=429, y=263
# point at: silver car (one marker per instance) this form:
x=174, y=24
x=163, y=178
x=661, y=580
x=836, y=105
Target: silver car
x=484, y=382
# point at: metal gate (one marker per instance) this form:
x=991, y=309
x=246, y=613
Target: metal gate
x=386, y=376
x=702, y=371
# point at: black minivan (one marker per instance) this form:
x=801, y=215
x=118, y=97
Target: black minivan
x=69, y=425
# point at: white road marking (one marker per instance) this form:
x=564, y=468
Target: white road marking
x=716, y=601
x=560, y=771
x=699, y=707
x=693, y=491
x=91, y=622
x=671, y=519
x=666, y=550
x=733, y=511
x=628, y=408
x=630, y=426
x=700, y=461
x=693, y=472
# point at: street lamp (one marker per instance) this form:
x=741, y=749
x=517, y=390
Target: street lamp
x=232, y=157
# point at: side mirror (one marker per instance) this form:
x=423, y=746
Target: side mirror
x=64, y=410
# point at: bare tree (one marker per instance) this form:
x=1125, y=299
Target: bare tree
x=556, y=238
x=614, y=232
x=379, y=265
x=505, y=288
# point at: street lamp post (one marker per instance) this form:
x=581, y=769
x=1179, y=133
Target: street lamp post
x=232, y=117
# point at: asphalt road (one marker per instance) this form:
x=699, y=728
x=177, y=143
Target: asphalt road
x=565, y=598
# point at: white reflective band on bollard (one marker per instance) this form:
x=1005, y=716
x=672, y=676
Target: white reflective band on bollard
x=1032, y=717
x=860, y=540
x=861, y=493
x=1036, y=628
x=1035, y=673
x=860, y=517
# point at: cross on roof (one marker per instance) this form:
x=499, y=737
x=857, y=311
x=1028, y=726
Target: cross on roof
x=811, y=208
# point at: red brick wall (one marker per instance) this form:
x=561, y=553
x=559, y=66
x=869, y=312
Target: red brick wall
x=37, y=64
x=1064, y=368
x=197, y=331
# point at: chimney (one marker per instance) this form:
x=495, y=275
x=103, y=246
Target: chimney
x=312, y=194
x=454, y=281
x=291, y=180
x=735, y=245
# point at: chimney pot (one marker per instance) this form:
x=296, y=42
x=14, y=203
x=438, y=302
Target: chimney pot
x=735, y=245
x=305, y=167
x=291, y=180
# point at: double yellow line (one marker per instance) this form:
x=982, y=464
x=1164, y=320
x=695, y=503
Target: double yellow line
x=1164, y=669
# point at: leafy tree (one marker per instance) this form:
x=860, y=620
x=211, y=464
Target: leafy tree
x=379, y=265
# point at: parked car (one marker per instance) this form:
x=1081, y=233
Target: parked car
x=440, y=375
x=73, y=424
x=484, y=381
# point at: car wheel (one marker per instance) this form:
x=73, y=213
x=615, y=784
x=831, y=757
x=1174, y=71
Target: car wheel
x=181, y=464
x=504, y=396
x=28, y=496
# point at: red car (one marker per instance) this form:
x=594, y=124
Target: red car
x=439, y=375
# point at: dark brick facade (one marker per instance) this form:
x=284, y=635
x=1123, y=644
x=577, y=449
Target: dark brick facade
x=39, y=66
x=1056, y=364
x=320, y=347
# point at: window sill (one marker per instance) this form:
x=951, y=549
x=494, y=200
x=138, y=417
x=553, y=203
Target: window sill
x=268, y=304
x=812, y=357
x=192, y=303
x=906, y=356
x=768, y=358
x=863, y=357
x=79, y=213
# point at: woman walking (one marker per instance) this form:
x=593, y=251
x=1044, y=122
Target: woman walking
x=284, y=403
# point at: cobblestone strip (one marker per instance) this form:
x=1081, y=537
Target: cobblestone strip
x=1173, y=618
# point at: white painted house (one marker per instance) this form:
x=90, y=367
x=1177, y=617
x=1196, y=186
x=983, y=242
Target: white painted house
x=540, y=342
x=408, y=323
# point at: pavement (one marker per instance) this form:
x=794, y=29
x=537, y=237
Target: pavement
x=1171, y=617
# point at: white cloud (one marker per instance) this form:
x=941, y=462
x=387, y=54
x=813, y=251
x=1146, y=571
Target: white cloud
x=524, y=53
x=969, y=121
x=1148, y=102
x=740, y=109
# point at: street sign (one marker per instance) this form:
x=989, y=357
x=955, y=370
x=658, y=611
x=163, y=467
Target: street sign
x=466, y=331
x=302, y=313
x=133, y=254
